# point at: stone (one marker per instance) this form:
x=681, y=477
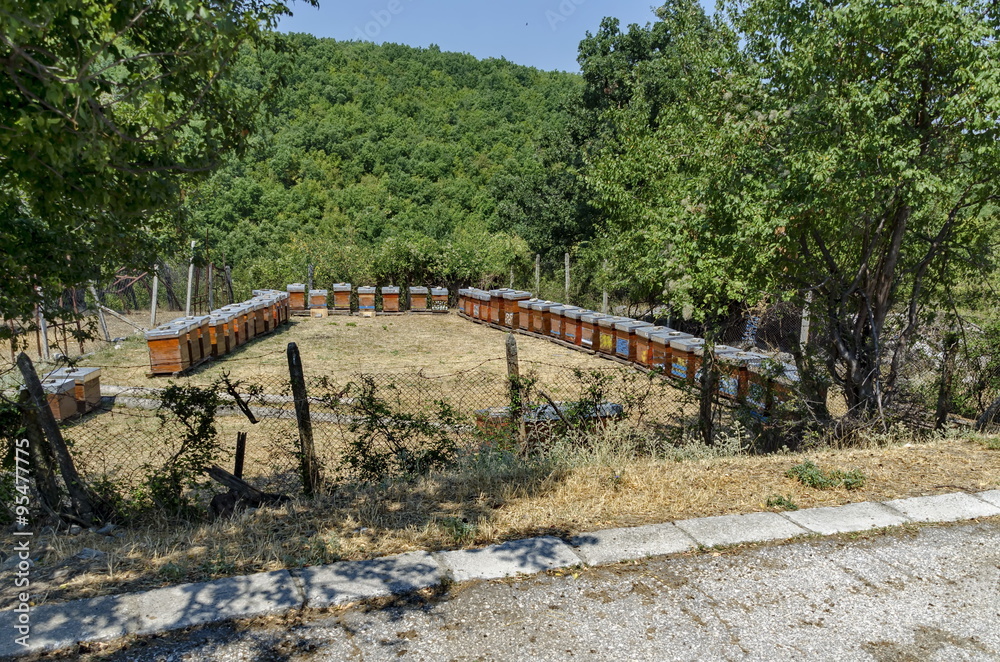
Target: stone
x=509, y=559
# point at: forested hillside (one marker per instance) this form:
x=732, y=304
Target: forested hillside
x=396, y=164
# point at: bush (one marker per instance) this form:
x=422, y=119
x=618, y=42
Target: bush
x=810, y=475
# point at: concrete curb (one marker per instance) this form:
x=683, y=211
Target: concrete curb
x=63, y=625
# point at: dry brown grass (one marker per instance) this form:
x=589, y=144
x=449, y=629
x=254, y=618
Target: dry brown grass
x=481, y=505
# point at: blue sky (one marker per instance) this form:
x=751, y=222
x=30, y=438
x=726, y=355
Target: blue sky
x=538, y=33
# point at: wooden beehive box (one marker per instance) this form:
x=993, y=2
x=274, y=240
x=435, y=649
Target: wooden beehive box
x=524, y=313
x=682, y=358
x=59, y=394
x=169, y=351
x=297, y=296
x=555, y=314
x=571, y=324
x=318, y=298
x=604, y=334
x=420, y=299
x=589, y=330
x=626, y=340
x=644, y=345
x=366, y=299
x=342, y=297
x=439, y=299
x=87, y=386
x=390, y=299
x=511, y=318
x=218, y=334
x=539, y=319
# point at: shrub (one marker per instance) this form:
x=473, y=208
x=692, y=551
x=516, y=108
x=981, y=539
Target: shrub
x=810, y=475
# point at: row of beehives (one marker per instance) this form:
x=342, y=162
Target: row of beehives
x=420, y=299
x=188, y=341
x=748, y=377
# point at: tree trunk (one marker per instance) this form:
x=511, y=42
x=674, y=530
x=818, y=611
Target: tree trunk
x=947, y=378
x=709, y=380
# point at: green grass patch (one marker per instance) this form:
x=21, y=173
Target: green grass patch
x=810, y=475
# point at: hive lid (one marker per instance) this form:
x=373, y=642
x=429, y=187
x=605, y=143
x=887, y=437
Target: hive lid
x=575, y=313
x=687, y=344
x=390, y=289
x=666, y=337
x=720, y=350
x=419, y=289
x=646, y=331
x=341, y=287
x=58, y=386
x=319, y=293
x=165, y=333
x=543, y=305
x=515, y=295
x=526, y=303
x=746, y=359
x=439, y=291
x=296, y=287
x=592, y=317
x=610, y=321
x=79, y=374
x=366, y=290
x=631, y=325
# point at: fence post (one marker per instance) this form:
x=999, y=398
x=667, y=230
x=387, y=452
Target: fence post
x=512, y=277
x=804, y=333
x=156, y=297
x=538, y=275
x=307, y=450
x=241, y=452
x=211, y=284
x=514, y=381
x=309, y=284
x=83, y=505
x=43, y=329
x=187, y=307
x=566, y=269
x=604, y=293
x=229, y=285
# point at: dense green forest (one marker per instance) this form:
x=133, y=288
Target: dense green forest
x=393, y=164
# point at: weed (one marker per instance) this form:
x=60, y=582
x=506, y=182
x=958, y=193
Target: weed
x=779, y=501
x=460, y=530
x=351, y=324
x=810, y=475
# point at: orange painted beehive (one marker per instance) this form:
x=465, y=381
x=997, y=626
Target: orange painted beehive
x=218, y=331
x=87, y=386
x=390, y=299
x=682, y=358
x=342, y=297
x=644, y=345
x=572, y=324
x=721, y=351
x=626, y=340
x=511, y=312
x=59, y=394
x=589, y=330
x=169, y=350
x=540, y=319
x=497, y=305
x=297, y=296
x=366, y=299
x=734, y=373
x=317, y=298
x=524, y=313
x=419, y=301
x=439, y=299
x=604, y=334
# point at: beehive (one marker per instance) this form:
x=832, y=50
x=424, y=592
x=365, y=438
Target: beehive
x=511, y=313
x=218, y=332
x=169, y=350
x=573, y=325
x=682, y=357
x=589, y=330
x=439, y=299
x=86, y=386
x=721, y=351
x=419, y=300
x=366, y=299
x=498, y=305
x=524, y=314
x=540, y=319
x=297, y=296
x=734, y=373
x=59, y=394
x=662, y=358
x=644, y=345
x=626, y=340
x=604, y=334
x=317, y=298
x=555, y=320
x=342, y=297
x=390, y=299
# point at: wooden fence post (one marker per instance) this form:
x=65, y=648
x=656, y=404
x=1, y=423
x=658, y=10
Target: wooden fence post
x=604, y=294
x=83, y=504
x=516, y=394
x=156, y=296
x=211, y=286
x=566, y=269
x=187, y=307
x=538, y=275
x=229, y=285
x=309, y=464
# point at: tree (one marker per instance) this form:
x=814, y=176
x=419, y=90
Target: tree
x=109, y=110
x=848, y=151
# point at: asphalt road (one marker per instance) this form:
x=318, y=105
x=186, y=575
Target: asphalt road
x=929, y=593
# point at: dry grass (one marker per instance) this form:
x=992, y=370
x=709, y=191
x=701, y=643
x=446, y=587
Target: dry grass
x=489, y=501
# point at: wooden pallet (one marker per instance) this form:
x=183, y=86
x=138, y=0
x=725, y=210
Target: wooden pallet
x=181, y=373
